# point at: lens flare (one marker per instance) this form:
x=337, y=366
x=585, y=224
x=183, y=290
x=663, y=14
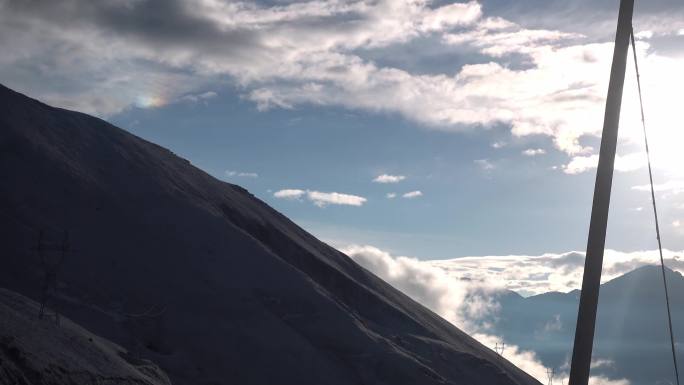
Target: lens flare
x=149, y=101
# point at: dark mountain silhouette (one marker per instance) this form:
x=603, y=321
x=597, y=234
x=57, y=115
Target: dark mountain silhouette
x=631, y=326
x=39, y=351
x=200, y=276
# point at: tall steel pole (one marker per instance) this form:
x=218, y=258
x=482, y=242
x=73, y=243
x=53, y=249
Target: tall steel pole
x=586, y=318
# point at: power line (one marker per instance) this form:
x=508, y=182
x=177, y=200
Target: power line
x=51, y=267
x=655, y=210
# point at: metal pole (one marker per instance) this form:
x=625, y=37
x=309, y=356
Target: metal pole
x=591, y=281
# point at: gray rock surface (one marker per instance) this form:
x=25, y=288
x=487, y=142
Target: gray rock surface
x=37, y=351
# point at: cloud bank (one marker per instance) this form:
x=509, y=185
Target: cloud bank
x=465, y=300
x=103, y=57
x=530, y=275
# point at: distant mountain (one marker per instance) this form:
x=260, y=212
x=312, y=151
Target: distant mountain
x=631, y=326
x=200, y=276
x=39, y=351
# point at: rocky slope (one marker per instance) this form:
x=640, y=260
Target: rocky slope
x=200, y=276
x=37, y=351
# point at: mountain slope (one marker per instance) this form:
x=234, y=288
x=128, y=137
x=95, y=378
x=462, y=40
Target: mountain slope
x=631, y=338
x=38, y=351
x=199, y=275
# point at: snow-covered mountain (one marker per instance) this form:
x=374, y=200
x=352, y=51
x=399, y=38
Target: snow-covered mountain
x=200, y=276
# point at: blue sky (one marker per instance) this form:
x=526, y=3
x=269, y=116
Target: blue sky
x=486, y=114
x=520, y=205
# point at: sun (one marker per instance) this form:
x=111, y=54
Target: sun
x=662, y=83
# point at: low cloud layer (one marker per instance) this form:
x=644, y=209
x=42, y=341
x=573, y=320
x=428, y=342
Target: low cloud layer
x=529, y=275
x=463, y=294
x=321, y=199
x=427, y=284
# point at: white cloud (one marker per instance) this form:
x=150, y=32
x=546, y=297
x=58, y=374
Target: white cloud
x=630, y=162
x=484, y=164
x=600, y=380
x=498, y=144
x=462, y=302
x=202, y=97
x=241, y=174
x=580, y=164
x=385, y=178
x=412, y=194
x=554, y=324
x=499, y=36
x=601, y=363
x=643, y=35
x=534, y=152
x=317, y=53
x=626, y=163
x=451, y=15
x=251, y=43
x=321, y=199
x=530, y=275
x=672, y=186
x=289, y=194
x=391, y=195
x=425, y=283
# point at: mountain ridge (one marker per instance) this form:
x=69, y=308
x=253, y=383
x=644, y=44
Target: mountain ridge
x=241, y=287
x=631, y=326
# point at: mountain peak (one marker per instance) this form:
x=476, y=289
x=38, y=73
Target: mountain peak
x=646, y=273
x=213, y=283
